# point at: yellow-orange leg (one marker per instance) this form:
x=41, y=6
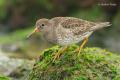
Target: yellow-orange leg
x=62, y=50
x=82, y=45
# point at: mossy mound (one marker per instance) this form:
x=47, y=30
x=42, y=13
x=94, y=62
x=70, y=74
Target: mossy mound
x=91, y=64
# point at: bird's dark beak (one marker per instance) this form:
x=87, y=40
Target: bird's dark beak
x=34, y=31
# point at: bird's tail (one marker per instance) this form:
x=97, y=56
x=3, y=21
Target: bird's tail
x=101, y=25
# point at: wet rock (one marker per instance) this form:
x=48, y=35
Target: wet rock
x=14, y=68
x=10, y=47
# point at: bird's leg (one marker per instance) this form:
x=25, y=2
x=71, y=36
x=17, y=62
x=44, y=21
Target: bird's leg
x=62, y=50
x=82, y=45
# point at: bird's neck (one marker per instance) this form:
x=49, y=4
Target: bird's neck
x=49, y=35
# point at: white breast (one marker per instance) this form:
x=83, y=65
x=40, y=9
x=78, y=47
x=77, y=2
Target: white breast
x=66, y=37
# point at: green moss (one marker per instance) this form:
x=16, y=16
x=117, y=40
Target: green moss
x=4, y=78
x=91, y=64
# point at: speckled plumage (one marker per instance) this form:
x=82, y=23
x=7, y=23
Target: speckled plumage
x=67, y=30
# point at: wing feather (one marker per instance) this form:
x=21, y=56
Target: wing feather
x=77, y=26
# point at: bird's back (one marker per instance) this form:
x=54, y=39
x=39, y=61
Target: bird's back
x=76, y=24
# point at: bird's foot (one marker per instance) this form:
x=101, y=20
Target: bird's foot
x=59, y=53
x=56, y=56
x=78, y=51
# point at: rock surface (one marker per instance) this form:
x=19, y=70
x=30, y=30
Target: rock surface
x=15, y=68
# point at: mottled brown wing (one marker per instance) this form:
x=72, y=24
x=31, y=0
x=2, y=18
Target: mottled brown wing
x=77, y=26
x=58, y=20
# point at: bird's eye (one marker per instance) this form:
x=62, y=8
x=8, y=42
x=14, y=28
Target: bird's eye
x=42, y=25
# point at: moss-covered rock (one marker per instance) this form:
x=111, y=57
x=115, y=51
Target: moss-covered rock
x=91, y=64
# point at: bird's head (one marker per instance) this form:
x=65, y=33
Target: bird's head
x=40, y=26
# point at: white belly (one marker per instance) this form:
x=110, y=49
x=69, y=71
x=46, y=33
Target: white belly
x=69, y=38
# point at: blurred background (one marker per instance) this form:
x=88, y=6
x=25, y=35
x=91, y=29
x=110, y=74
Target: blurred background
x=18, y=17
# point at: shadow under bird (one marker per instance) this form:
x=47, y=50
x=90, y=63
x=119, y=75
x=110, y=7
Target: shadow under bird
x=65, y=31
